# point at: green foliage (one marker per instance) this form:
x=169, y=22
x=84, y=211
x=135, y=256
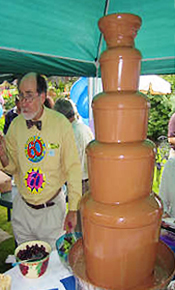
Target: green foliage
x=59, y=87
x=171, y=80
x=159, y=115
x=2, y=122
x=156, y=180
x=9, y=98
x=7, y=247
x=162, y=107
x=162, y=154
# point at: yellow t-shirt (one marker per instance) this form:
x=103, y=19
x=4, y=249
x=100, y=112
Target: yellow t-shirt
x=43, y=161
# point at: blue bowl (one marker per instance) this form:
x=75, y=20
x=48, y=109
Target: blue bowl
x=64, y=244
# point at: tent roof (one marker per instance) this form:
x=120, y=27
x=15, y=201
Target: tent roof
x=59, y=37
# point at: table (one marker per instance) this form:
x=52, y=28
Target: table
x=56, y=277
x=6, y=200
x=168, y=228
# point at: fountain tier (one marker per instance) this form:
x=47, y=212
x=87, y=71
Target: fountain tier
x=120, y=218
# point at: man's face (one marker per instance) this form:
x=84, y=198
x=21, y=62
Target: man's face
x=30, y=101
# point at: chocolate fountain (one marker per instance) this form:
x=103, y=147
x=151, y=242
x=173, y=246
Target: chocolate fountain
x=121, y=218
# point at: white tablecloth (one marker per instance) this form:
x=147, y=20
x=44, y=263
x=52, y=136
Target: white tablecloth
x=50, y=279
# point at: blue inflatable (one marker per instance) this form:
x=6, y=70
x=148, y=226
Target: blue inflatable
x=83, y=104
x=77, y=89
x=1, y=110
x=79, y=95
x=85, y=121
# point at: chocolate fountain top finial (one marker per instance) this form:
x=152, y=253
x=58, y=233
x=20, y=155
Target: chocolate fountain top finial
x=119, y=29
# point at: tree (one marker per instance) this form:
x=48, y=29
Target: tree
x=171, y=80
x=159, y=115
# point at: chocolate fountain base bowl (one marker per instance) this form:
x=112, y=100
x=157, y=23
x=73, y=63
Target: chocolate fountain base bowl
x=163, y=272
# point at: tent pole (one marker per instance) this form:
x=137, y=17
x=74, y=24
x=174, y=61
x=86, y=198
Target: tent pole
x=101, y=35
x=96, y=86
x=93, y=84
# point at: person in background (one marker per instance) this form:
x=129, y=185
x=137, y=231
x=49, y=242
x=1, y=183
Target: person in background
x=171, y=135
x=83, y=135
x=167, y=183
x=37, y=149
x=49, y=102
x=167, y=188
x=11, y=114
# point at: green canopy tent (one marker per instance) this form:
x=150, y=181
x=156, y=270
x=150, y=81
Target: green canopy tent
x=59, y=37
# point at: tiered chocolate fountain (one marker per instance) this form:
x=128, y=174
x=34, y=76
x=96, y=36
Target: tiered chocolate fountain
x=121, y=218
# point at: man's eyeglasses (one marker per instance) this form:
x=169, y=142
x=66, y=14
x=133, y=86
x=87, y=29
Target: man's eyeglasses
x=28, y=98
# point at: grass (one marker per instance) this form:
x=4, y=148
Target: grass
x=7, y=247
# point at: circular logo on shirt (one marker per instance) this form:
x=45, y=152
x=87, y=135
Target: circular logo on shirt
x=35, y=149
x=35, y=180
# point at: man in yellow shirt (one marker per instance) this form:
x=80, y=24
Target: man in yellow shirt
x=40, y=150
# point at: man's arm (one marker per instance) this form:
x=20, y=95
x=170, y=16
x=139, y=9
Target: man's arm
x=70, y=159
x=8, y=153
x=70, y=221
x=3, y=152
